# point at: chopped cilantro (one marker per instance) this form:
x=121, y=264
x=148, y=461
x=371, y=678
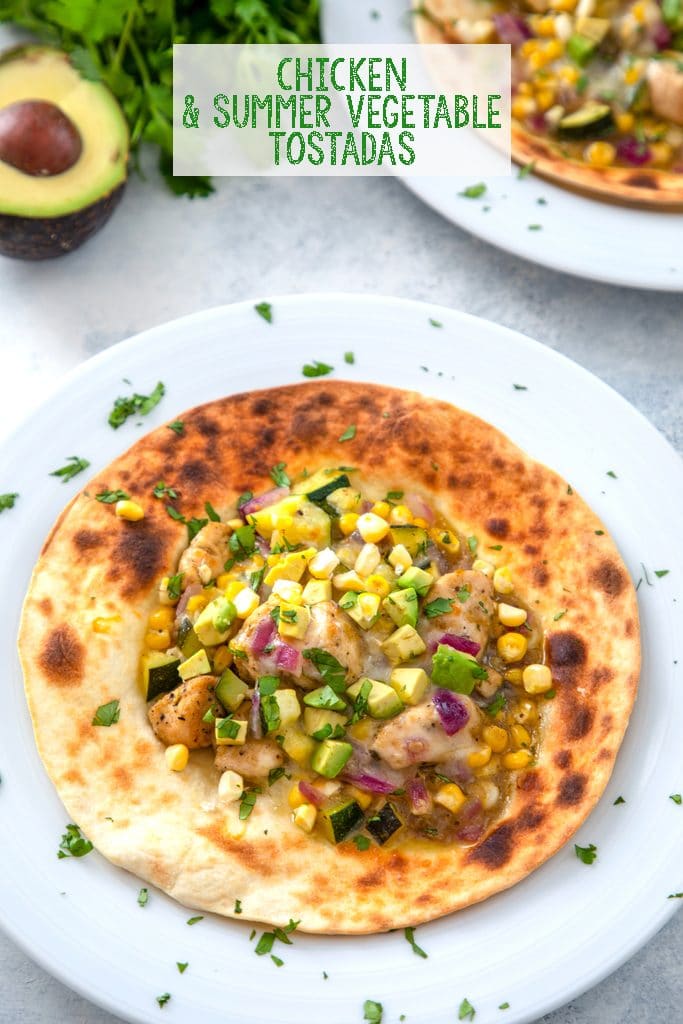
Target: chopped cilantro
x=675, y=896
x=504, y=1006
x=394, y=496
x=619, y=800
x=163, y=999
x=7, y=501
x=410, y=938
x=495, y=547
x=142, y=404
x=173, y=585
x=111, y=497
x=440, y=606
x=463, y=594
x=194, y=525
x=74, y=466
x=177, y=427
x=676, y=797
x=182, y=967
x=175, y=514
x=520, y=387
x=244, y=498
x=349, y=433
x=435, y=323
x=496, y=705
x=247, y=802
x=362, y=842
x=242, y=542
x=227, y=728
x=349, y=358
x=466, y=1011
x=659, y=573
x=278, y=475
x=211, y=512
x=274, y=774
x=525, y=171
x=143, y=897
x=473, y=544
x=265, y=310
x=107, y=714
x=586, y=854
x=162, y=490
x=73, y=844
x=316, y=369
x=238, y=906
x=570, y=489
x=473, y=191
x=195, y=920
x=276, y=960
x=610, y=472
x=534, y=227
x=265, y=944
x=599, y=533
x=332, y=672
x=360, y=705
x=560, y=615
x=372, y=1011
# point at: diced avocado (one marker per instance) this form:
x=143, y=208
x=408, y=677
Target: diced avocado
x=417, y=578
x=159, y=673
x=213, y=622
x=297, y=745
x=410, y=684
x=581, y=48
x=593, y=28
x=364, y=610
x=230, y=732
x=590, y=120
x=340, y=821
x=197, y=665
x=293, y=620
x=405, y=643
x=321, y=484
x=324, y=697
x=230, y=690
x=330, y=757
x=318, y=721
x=414, y=538
x=456, y=671
x=288, y=706
x=402, y=607
x=298, y=520
x=383, y=824
x=383, y=701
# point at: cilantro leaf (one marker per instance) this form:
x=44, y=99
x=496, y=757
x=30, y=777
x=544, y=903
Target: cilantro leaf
x=362, y=842
x=466, y=1011
x=195, y=920
x=74, y=466
x=143, y=897
x=350, y=358
x=265, y=310
x=278, y=475
x=316, y=369
x=107, y=714
x=7, y=501
x=372, y=1011
x=182, y=967
x=586, y=854
x=410, y=938
x=473, y=191
x=135, y=404
x=177, y=427
x=349, y=433
x=73, y=844
x=677, y=798
x=439, y=606
x=163, y=999
x=332, y=672
x=111, y=497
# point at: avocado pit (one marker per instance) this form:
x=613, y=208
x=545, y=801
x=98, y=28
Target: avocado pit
x=37, y=138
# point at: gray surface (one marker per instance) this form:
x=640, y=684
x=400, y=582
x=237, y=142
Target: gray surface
x=162, y=257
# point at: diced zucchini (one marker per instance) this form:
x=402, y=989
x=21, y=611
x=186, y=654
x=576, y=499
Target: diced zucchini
x=345, y=499
x=384, y=824
x=414, y=538
x=320, y=485
x=188, y=641
x=197, y=665
x=159, y=673
x=383, y=701
x=340, y=821
x=288, y=706
x=297, y=519
x=297, y=745
x=590, y=120
x=402, y=607
x=231, y=690
x=405, y=643
x=330, y=756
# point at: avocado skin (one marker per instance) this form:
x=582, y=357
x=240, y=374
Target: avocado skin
x=41, y=238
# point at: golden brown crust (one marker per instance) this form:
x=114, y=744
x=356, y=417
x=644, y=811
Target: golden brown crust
x=167, y=827
x=632, y=186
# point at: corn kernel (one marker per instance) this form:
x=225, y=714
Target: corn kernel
x=511, y=646
x=323, y=564
x=625, y=122
x=510, y=615
x=197, y=602
x=479, y=565
x=224, y=580
x=347, y=523
x=401, y=515
x=570, y=74
x=349, y=581
x=317, y=591
x=177, y=756
x=517, y=759
x=563, y=5
x=600, y=154
x=537, y=60
x=537, y=679
x=639, y=13
x=419, y=521
x=368, y=605
x=230, y=786
x=514, y=676
x=478, y=758
x=496, y=737
x=368, y=559
x=451, y=797
x=520, y=736
x=502, y=580
x=523, y=106
x=631, y=75
x=526, y=713
x=660, y=153
x=545, y=26
x=525, y=89
x=103, y=624
x=545, y=98
x=400, y=558
x=158, y=639
x=372, y=528
x=235, y=524
x=381, y=508
x=296, y=798
x=129, y=510
x=375, y=584
x=162, y=618
x=233, y=588
x=247, y=601
x=222, y=659
x=304, y=817
x=528, y=47
x=553, y=49
x=361, y=730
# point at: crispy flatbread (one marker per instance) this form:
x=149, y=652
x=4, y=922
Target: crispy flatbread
x=166, y=827
x=646, y=186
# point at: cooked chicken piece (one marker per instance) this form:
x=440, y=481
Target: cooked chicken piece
x=417, y=737
x=177, y=716
x=253, y=760
x=665, y=80
x=329, y=629
x=208, y=552
x=472, y=610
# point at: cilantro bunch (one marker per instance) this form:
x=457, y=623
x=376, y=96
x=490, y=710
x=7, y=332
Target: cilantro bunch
x=127, y=44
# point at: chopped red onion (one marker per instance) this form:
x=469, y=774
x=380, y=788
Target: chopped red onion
x=419, y=507
x=370, y=783
x=288, y=659
x=633, y=151
x=537, y=122
x=470, y=833
x=418, y=796
x=312, y=794
x=188, y=592
x=661, y=35
x=461, y=643
x=511, y=29
x=255, y=727
x=270, y=497
x=451, y=710
x=262, y=545
x=263, y=634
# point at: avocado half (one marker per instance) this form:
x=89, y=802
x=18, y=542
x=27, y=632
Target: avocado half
x=53, y=201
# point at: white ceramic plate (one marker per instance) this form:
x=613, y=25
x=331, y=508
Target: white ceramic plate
x=580, y=236
x=535, y=946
